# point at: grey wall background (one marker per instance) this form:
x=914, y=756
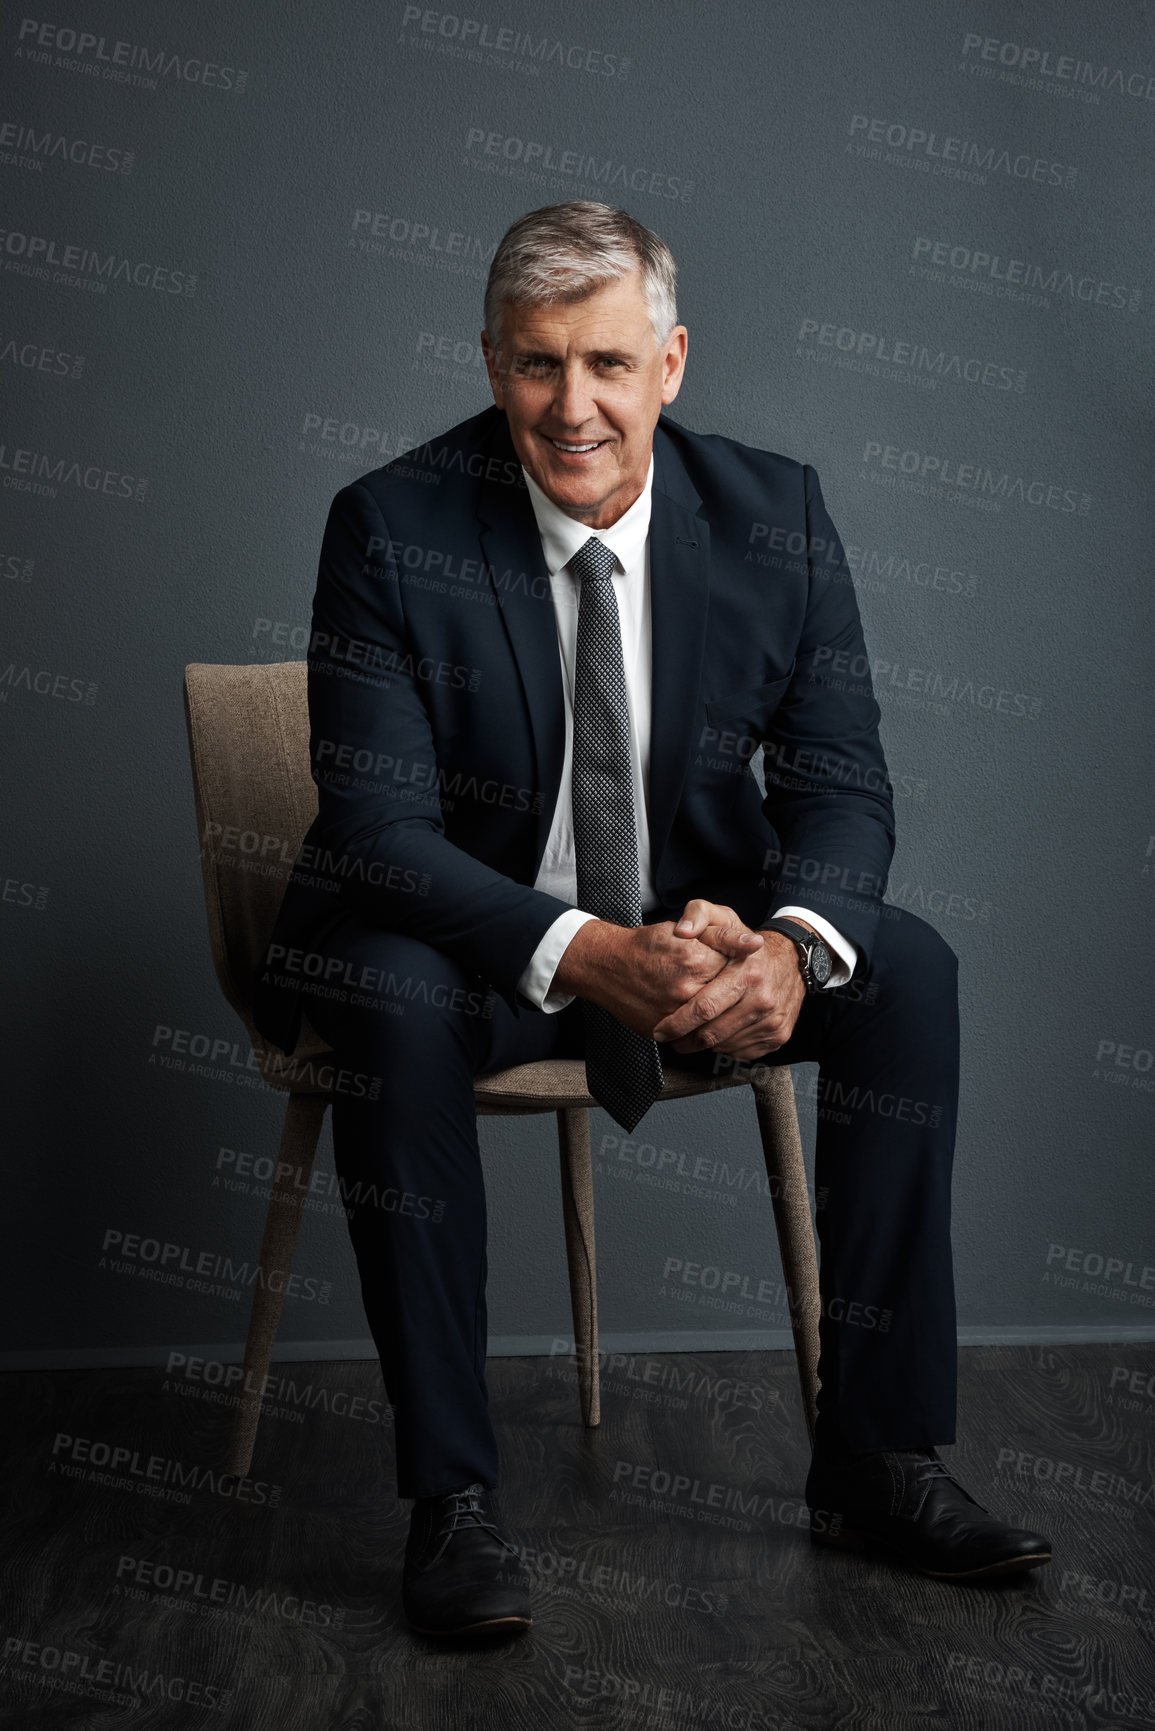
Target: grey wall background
x=184, y=392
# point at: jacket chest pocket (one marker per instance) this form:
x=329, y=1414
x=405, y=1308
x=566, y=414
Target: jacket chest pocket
x=747, y=702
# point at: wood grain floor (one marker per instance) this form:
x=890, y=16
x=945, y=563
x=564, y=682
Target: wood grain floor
x=675, y=1585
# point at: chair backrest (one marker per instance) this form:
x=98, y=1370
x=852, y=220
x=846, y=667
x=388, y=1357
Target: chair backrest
x=248, y=730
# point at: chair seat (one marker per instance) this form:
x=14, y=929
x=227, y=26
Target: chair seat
x=549, y=1084
x=545, y=1085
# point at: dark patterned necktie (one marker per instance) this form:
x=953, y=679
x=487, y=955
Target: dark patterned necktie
x=623, y=1069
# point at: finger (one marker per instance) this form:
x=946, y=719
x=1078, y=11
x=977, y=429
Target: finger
x=758, y=1010
x=739, y=1036
x=726, y=988
x=736, y=1022
x=718, y=926
x=761, y=1042
x=770, y=1026
x=731, y=938
x=696, y=915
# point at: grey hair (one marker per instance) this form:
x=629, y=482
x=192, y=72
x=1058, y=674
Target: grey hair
x=564, y=252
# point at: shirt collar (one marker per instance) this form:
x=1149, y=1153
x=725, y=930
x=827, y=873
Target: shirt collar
x=562, y=536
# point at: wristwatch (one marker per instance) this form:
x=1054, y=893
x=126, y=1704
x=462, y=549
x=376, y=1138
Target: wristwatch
x=815, y=962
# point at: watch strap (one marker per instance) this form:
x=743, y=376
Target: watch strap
x=804, y=940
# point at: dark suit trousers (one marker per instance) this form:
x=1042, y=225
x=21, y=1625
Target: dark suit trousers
x=410, y=1172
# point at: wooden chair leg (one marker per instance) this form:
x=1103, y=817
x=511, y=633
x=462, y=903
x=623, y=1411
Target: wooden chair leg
x=577, y=1195
x=304, y=1115
x=782, y=1151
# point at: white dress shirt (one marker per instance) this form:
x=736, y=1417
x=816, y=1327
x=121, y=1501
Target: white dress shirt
x=629, y=540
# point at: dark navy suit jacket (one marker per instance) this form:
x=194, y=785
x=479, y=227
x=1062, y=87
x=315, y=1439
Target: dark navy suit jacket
x=437, y=723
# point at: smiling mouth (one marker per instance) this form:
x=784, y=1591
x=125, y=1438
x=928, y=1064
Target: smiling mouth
x=572, y=448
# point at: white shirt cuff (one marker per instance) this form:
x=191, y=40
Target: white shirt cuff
x=844, y=952
x=537, y=976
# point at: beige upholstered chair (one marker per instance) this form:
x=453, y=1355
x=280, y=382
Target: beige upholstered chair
x=249, y=740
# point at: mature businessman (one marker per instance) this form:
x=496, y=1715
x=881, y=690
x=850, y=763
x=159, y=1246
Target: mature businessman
x=542, y=655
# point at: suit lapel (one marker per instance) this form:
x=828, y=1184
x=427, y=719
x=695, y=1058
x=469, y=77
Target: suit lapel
x=519, y=580
x=679, y=605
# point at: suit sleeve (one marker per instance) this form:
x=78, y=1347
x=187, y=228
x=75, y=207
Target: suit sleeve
x=374, y=762
x=828, y=794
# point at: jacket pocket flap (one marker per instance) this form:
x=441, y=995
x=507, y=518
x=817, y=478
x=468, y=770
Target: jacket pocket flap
x=748, y=699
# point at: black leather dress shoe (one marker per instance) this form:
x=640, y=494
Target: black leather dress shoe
x=907, y=1502
x=462, y=1575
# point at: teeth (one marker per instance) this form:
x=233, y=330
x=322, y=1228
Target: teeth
x=590, y=447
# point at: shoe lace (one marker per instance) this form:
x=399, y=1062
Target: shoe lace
x=463, y=1509
x=934, y=1468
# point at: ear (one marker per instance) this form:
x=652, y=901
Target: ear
x=674, y=362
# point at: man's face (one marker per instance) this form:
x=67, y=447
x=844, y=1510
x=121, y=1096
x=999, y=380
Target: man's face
x=582, y=384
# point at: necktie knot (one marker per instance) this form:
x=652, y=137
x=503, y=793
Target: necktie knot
x=593, y=559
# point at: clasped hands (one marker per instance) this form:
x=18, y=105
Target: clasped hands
x=706, y=982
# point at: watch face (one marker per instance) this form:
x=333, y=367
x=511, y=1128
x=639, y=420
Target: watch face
x=821, y=966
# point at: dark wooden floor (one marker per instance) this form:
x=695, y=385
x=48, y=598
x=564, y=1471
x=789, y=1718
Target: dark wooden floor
x=659, y=1603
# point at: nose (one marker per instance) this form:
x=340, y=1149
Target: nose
x=573, y=402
